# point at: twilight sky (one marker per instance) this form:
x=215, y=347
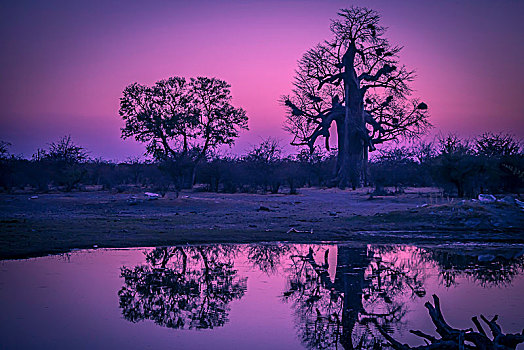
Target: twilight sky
x=64, y=64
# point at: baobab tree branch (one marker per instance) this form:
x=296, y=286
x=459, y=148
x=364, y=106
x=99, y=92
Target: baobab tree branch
x=333, y=79
x=371, y=121
x=323, y=120
x=323, y=128
x=299, y=112
x=362, y=56
x=386, y=69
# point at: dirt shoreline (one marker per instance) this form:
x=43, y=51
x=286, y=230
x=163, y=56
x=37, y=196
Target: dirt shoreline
x=57, y=223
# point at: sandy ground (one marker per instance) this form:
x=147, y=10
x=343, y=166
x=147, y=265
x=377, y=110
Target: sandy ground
x=54, y=223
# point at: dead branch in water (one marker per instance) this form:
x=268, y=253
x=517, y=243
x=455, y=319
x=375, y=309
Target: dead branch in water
x=452, y=338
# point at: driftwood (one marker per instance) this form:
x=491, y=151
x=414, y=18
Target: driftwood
x=452, y=338
x=294, y=230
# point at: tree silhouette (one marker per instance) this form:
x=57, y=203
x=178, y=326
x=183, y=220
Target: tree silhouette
x=65, y=151
x=4, y=150
x=457, y=164
x=497, y=145
x=182, y=287
x=62, y=163
x=181, y=122
x=353, y=80
x=263, y=162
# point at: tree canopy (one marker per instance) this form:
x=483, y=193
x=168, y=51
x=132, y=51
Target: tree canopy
x=180, y=118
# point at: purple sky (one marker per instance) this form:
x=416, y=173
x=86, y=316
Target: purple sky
x=64, y=64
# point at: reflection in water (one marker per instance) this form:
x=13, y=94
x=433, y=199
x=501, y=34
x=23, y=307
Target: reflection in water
x=368, y=286
x=486, y=267
x=267, y=257
x=372, y=287
x=181, y=287
x=343, y=296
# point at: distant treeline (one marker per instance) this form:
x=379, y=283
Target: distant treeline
x=489, y=163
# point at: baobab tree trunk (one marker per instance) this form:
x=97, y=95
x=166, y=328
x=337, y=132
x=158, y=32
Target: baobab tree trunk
x=355, y=149
x=365, y=167
x=351, y=166
x=340, y=142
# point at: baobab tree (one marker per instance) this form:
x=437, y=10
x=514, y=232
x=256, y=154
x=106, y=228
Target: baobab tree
x=355, y=81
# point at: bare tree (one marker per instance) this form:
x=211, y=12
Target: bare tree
x=263, y=162
x=63, y=164
x=354, y=80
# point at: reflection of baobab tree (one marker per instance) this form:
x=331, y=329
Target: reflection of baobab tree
x=318, y=305
x=182, y=287
x=393, y=273
x=368, y=285
x=487, y=268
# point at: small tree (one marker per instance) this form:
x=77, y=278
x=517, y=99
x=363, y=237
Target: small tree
x=353, y=80
x=496, y=145
x=263, y=160
x=181, y=122
x=4, y=150
x=489, y=163
x=457, y=164
x=61, y=164
x=65, y=150
x=5, y=168
x=503, y=161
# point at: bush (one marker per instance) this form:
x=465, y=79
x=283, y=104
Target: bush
x=490, y=163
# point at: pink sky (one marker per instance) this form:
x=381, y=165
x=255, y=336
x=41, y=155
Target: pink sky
x=64, y=64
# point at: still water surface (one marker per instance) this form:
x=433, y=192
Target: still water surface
x=260, y=296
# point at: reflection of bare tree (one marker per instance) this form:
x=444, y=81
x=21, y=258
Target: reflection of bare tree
x=181, y=287
x=452, y=338
x=365, y=288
